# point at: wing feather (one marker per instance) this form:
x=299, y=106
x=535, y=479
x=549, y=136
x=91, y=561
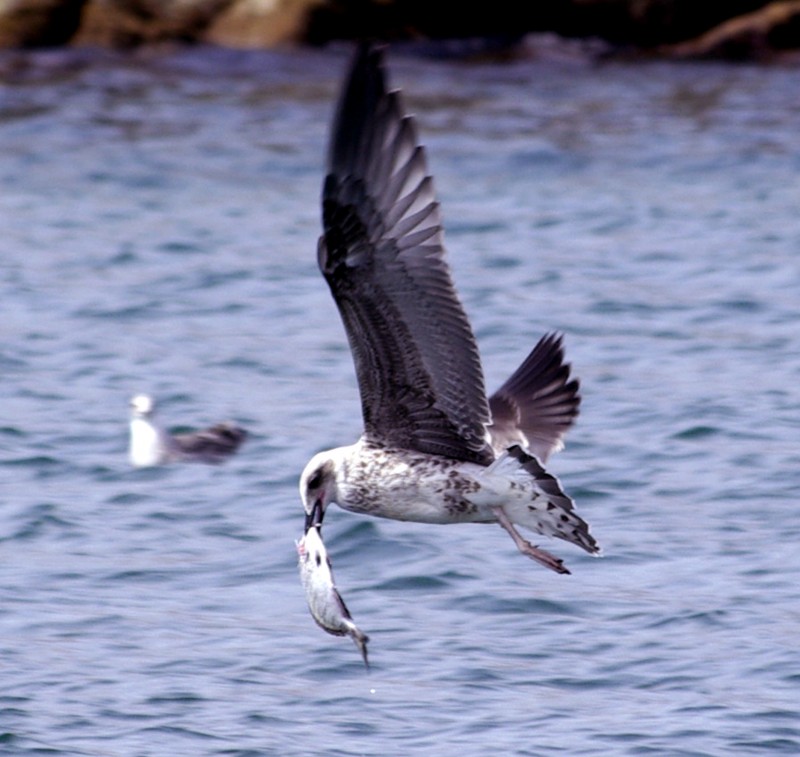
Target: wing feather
x=539, y=402
x=382, y=254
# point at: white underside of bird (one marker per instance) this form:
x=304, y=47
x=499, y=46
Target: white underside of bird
x=410, y=486
x=149, y=445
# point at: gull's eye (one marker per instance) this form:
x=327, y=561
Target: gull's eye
x=315, y=480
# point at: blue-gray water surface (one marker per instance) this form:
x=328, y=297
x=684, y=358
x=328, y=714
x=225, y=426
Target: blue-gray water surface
x=159, y=217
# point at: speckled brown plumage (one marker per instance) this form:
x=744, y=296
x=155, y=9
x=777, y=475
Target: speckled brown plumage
x=435, y=449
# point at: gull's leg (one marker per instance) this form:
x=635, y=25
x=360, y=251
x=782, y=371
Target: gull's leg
x=524, y=546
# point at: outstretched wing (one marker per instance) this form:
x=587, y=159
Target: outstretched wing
x=382, y=254
x=538, y=403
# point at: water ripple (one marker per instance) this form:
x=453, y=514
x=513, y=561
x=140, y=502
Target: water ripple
x=160, y=215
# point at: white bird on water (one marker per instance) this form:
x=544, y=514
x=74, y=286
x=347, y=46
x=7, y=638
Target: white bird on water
x=151, y=445
x=435, y=449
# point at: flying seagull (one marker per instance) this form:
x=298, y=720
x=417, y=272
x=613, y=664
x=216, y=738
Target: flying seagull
x=435, y=449
x=152, y=445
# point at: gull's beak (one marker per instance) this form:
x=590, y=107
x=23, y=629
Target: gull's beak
x=314, y=518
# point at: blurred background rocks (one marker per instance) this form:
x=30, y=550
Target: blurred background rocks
x=736, y=29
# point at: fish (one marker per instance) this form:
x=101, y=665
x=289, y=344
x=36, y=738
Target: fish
x=324, y=601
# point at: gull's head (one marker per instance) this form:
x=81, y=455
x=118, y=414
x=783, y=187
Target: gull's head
x=142, y=405
x=318, y=486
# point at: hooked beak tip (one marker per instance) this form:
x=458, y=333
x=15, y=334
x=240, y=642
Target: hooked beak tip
x=314, y=518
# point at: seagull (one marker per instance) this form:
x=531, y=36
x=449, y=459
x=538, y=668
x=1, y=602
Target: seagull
x=151, y=445
x=435, y=449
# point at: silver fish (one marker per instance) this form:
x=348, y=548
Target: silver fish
x=324, y=601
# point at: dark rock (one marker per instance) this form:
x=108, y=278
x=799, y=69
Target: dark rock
x=39, y=23
x=680, y=28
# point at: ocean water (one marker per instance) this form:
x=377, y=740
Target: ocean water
x=159, y=217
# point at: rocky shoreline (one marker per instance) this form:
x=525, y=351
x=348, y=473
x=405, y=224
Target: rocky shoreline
x=737, y=29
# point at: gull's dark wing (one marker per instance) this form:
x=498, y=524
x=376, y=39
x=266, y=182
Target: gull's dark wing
x=213, y=444
x=538, y=403
x=382, y=254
